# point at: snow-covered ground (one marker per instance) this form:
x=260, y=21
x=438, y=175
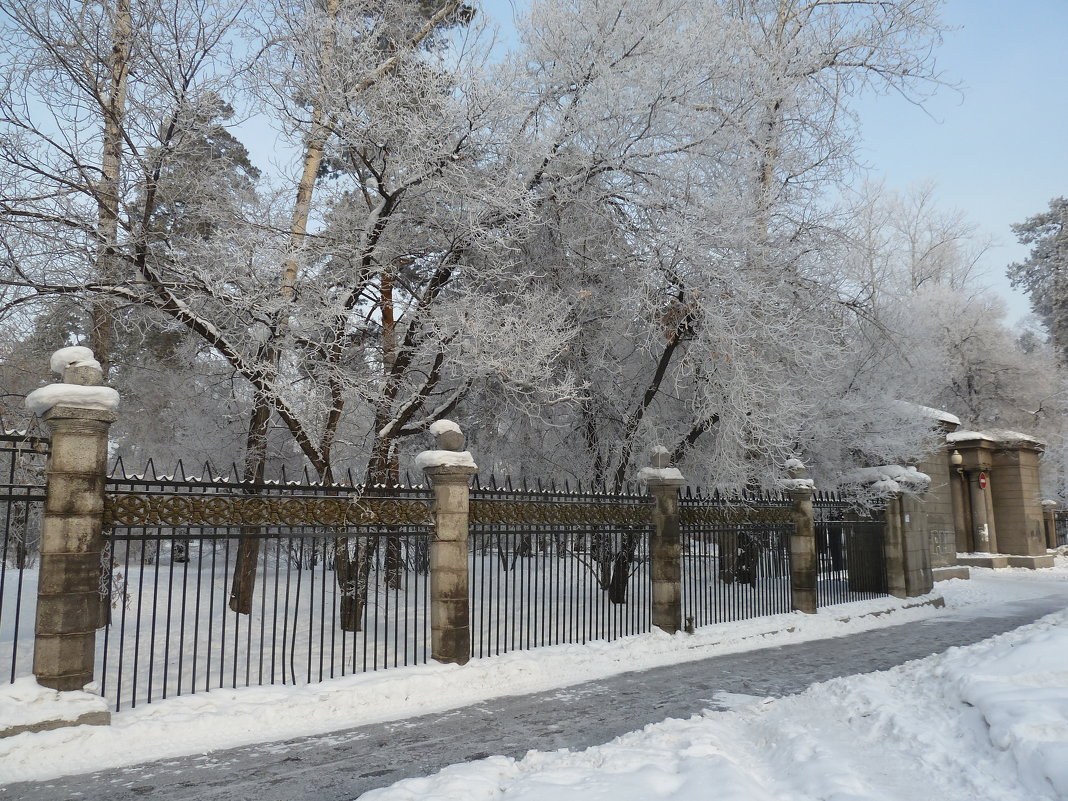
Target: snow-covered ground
x=985, y=722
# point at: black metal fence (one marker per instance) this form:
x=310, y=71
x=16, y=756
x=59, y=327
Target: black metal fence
x=851, y=553
x=23, y=458
x=550, y=567
x=210, y=582
x=1060, y=523
x=335, y=581
x=735, y=557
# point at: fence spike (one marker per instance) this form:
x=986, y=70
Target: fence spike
x=179, y=470
x=567, y=485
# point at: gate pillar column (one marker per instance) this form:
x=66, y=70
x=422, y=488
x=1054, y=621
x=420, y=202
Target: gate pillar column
x=78, y=412
x=803, y=564
x=665, y=549
x=1049, y=523
x=449, y=468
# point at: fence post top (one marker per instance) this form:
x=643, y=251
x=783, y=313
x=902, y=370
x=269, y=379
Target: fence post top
x=77, y=365
x=81, y=392
x=659, y=474
x=447, y=457
x=798, y=482
x=447, y=436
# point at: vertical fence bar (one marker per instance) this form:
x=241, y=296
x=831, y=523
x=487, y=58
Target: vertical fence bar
x=21, y=498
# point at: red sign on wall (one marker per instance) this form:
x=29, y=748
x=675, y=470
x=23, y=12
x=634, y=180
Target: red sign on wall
x=982, y=481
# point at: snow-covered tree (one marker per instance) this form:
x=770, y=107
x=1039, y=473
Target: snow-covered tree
x=1043, y=275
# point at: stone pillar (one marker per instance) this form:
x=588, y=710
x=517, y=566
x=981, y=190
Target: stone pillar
x=665, y=548
x=916, y=546
x=961, y=514
x=1016, y=498
x=78, y=412
x=983, y=535
x=895, y=547
x=803, y=565
x=1049, y=523
x=1010, y=506
x=449, y=468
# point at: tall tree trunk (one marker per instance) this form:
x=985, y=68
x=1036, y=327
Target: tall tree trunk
x=390, y=475
x=107, y=193
x=248, y=549
x=102, y=309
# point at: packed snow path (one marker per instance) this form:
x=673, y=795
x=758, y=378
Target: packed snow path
x=344, y=764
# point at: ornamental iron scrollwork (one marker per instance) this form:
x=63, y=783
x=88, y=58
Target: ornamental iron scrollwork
x=549, y=513
x=713, y=515
x=236, y=510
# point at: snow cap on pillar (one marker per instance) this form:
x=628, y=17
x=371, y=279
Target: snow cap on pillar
x=82, y=386
x=659, y=472
x=447, y=451
x=798, y=479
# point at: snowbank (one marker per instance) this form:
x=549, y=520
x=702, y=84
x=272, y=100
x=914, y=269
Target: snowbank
x=25, y=704
x=983, y=722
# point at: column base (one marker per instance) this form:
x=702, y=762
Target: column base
x=983, y=560
x=950, y=572
x=27, y=706
x=1032, y=562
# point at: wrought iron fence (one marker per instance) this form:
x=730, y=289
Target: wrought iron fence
x=550, y=567
x=210, y=582
x=851, y=553
x=735, y=556
x=23, y=458
x=331, y=579
x=1060, y=522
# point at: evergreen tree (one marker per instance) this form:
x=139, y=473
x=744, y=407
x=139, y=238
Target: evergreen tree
x=1044, y=274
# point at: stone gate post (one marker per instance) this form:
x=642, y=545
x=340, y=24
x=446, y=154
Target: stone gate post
x=803, y=564
x=449, y=468
x=894, y=546
x=1049, y=523
x=78, y=412
x=665, y=548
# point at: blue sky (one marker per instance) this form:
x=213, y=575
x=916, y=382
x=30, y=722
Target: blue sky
x=996, y=151
x=999, y=152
